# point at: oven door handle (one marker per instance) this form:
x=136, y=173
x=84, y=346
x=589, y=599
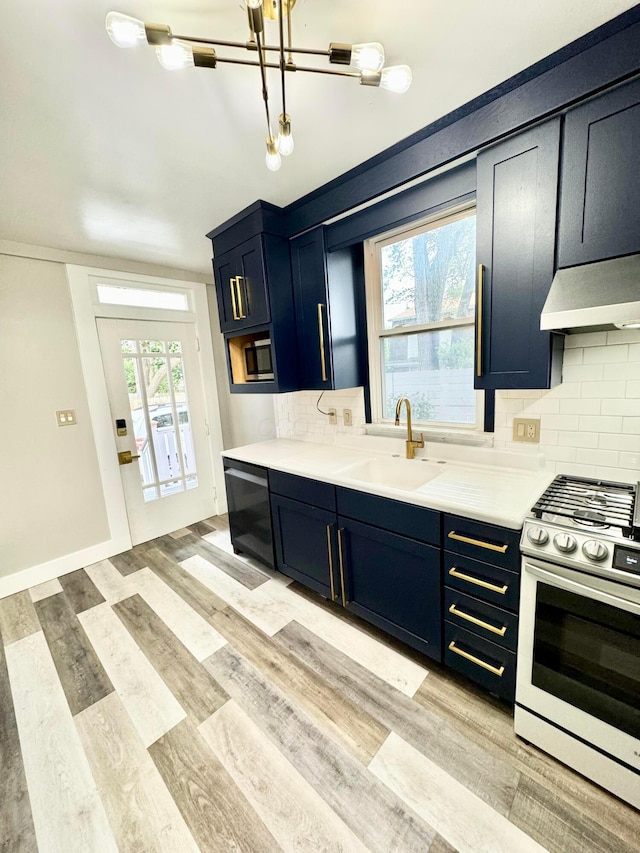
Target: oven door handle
x=583, y=589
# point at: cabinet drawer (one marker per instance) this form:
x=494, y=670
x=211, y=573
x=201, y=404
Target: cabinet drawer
x=486, y=542
x=396, y=516
x=482, y=580
x=486, y=620
x=303, y=489
x=492, y=667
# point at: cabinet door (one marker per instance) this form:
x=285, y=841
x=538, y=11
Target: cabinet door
x=241, y=287
x=599, y=216
x=305, y=544
x=393, y=582
x=516, y=219
x=308, y=267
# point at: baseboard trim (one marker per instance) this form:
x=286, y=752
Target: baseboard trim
x=19, y=581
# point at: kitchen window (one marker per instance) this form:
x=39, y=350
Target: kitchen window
x=420, y=316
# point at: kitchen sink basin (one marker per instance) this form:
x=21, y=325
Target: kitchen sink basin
x=394, y=472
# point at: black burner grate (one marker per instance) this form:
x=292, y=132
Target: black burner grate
x=595, y=504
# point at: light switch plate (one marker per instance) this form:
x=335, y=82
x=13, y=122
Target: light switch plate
x=66, y=417
x=333, y=416
x=526, y=429
x=347, y=420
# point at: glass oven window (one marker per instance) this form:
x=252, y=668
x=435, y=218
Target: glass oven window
x=588, y=654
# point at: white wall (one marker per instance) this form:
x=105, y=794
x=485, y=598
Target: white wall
x=51, y=501
x=590, y=424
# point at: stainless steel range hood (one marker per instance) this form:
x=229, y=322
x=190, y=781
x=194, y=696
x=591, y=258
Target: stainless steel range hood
x=604, y=295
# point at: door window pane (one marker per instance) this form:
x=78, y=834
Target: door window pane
x=109, y=294
x=434, y=370
x=160, y=417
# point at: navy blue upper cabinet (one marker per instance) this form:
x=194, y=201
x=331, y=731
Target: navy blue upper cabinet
x=517, y=182
x=241, y=286
x=599, y=200
x=324, y=286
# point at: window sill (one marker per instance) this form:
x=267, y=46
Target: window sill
x=470, y=438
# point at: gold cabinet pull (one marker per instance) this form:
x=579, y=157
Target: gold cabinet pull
x=479, y=321
x=323, y=363
x=454, y=572
x=234, y=304
x=333, y=591
x=499, y=631
x=341, y=564
x=488, y=545
x=242, y=315
x=494, y=669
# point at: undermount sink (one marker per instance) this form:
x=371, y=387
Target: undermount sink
x=395, y=472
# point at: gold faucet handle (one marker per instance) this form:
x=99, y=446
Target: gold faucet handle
x=420, y=443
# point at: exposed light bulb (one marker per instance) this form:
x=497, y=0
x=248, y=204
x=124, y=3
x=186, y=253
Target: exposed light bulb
x=285, y=137
x=396, y=78
x=633, y=324
x=123, y=30
x=175, y=56
x=368, y=56
x=254, y=4
x=273, y=159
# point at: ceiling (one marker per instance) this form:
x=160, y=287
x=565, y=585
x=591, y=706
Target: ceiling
x=105, y=152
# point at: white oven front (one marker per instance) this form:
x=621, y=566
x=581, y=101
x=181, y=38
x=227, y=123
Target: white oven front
x=578, y=673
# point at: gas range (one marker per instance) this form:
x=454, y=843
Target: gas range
x=589, y=525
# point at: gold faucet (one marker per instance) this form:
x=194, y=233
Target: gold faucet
x=410, y=443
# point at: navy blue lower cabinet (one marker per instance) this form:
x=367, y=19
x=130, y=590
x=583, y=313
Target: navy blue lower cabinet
x=305, y=541
x=488, y=664
x=393, y=582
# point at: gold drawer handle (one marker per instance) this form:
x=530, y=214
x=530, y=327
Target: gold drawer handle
x=323, y=362
x=479, y=321
x=234, y=305
x=453, y=571
x=453, y=648
x=341, y=564
x=499, y=631
x=333, y=591
x=488, y=545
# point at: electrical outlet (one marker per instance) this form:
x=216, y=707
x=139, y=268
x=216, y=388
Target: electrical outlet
x=526, y=429
x=346, y=417
x=333, y=416
x=66, y=417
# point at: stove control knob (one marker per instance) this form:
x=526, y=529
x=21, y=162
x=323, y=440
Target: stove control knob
x=537, y=536
x=565, y=542
x=594, y=550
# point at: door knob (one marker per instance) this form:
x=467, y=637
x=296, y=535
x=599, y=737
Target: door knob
x=126, y=458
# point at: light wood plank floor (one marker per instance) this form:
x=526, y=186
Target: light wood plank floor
x=180, y=698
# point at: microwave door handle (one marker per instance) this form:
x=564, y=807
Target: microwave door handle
x=581, y=589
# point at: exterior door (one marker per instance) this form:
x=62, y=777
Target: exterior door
x=154, y=384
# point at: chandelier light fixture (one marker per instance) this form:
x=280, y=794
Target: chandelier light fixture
x=363, y=61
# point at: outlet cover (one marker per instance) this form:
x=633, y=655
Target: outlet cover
x=333, y=416
x=526, y=429
x=66, y=417
x=347, y=420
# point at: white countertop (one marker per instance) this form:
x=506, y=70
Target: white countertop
x=485, y=484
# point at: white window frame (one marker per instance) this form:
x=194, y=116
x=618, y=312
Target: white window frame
x=375, y=322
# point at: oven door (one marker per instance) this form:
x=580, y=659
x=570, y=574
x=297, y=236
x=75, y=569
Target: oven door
x=579, y=656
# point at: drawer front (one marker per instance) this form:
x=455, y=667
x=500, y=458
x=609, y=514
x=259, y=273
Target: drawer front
x=486, y=542
x=311, y=492
x=396, y=516
x=492, y=667
x=486, y=620
x=482, y=580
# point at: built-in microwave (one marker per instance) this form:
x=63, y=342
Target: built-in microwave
x=258, y=363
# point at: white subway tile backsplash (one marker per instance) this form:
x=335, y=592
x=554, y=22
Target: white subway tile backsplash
x=631, y=425
x=617, y=475
x=586, y=339
x=546, y=405
x=603, y=389
x=612, y=441
x=633, y=389
x=600, y=423
x=549, y=436
x=572, y=356
x=561, y=454
x=623, y=336
x=579, y=439
x=631, y=460
x=512, y=406
x=621, y=407
x=587, y=406
x=630, y=370
x=576, y=469
x=634, y=352
x=561, y=422
x=588, y=456
x=566, y=391
x=582, y=372
x=605, y=355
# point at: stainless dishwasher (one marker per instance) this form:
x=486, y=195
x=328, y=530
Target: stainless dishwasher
x=249, y=510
